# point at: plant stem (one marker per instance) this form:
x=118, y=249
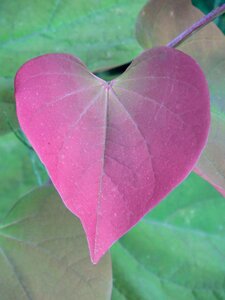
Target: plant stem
x=197, y=26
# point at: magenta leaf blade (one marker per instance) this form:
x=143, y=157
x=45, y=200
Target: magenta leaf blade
x=114, y=150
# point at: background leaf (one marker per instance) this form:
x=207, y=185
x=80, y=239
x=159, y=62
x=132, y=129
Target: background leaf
x=20, y=171
x=208, y=47
x=177, y=251
x=8, y=118
x=44, y=254
x=101, y=33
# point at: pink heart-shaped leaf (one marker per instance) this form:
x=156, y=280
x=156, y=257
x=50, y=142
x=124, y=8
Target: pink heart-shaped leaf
x=114, y=150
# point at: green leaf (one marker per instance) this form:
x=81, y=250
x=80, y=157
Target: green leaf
x=8, y=119
x=101, y=33
x=44, y=255
x=18, y=174
x=177, y=251
x=205, y=5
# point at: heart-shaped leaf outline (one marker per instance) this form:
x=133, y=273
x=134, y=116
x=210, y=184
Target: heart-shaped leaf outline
x=114, y=150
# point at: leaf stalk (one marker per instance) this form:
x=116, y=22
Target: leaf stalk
x=197, y=26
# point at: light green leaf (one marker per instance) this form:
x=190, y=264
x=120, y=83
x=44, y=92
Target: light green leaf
x=44, y=254
x=18, y=174
x=177, y=251
x=101, y=33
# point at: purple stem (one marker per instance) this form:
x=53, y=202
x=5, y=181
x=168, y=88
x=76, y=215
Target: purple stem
x=197, y=26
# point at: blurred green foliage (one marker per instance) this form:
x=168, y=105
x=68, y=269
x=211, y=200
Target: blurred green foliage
x=177, y=251
x=187, y=229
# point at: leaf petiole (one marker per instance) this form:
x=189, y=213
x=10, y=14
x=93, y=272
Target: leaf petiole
x=197, y=26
